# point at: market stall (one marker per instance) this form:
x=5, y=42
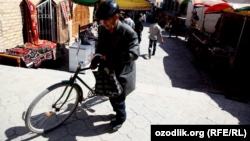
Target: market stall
x=228, y=46
x=232, y=30
x=35, y=50
x=32, y=55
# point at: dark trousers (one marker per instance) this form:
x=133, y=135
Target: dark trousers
x=139, y=36
x=118, y=104
x=152, y=43
x=174, y=31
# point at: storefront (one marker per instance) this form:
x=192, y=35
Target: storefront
x=227, y=48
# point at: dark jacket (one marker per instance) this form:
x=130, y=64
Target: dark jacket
x=138, y=26
x=121, y=49
x=175, y=24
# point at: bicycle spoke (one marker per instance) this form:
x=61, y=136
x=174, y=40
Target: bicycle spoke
x=39, y=120
x=41, y=115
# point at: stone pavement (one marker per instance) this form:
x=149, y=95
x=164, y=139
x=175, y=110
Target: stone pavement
x=170, y=90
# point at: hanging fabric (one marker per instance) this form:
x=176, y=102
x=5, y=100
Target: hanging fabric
x=32, y=22
x=66, y=11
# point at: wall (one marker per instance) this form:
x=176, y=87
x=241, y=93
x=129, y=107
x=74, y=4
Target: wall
x=11, y=23
x=74, y=23
x=210, y=19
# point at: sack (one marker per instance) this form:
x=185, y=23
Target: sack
x=107, y=83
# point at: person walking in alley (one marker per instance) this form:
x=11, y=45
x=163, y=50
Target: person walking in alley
x=129, y=21
x=154, y=32
x=175, y=25
x=119, y=46
x=139, y=26
x=144, y=19
x=121, y=17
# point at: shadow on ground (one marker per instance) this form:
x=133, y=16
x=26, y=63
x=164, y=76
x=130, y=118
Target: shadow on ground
x=189, y=72
x=79, y=124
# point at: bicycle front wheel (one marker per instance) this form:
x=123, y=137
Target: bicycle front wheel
x=51, y=108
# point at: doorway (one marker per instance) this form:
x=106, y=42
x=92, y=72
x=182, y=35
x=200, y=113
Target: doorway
x=47, y=19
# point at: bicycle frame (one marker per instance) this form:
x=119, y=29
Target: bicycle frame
x=73, y=79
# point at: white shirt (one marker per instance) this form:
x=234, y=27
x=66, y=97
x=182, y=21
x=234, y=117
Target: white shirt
x=144, y=17
x=130, y=22
x=154, y=31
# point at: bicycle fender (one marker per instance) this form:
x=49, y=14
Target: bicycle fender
x=65, y=81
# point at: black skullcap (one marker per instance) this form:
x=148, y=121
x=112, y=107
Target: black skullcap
x=107, y=9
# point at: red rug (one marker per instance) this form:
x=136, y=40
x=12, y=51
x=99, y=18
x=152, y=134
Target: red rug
x=31, y=56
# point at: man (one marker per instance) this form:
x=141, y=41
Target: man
x=119, y=46
x=175, y=23
x=129, y=21
x=154, y=32
x=144, y=17
x=121, y=17
x=139, y=26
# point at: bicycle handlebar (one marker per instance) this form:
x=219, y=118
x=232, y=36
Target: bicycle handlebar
x=97, y=54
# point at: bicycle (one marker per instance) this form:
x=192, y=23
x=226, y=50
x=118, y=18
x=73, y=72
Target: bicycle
x=45, y=113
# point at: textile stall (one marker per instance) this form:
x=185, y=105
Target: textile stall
x=35, y=50
x=32, y=55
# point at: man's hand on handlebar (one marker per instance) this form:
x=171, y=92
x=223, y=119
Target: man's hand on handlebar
x=103, y=57
x=93, y=66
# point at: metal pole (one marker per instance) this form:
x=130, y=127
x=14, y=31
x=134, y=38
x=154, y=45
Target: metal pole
x=51, y=21
x=245, y=19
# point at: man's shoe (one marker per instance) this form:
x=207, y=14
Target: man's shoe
x=149, y=56
x=105, y=98
x=116, y=126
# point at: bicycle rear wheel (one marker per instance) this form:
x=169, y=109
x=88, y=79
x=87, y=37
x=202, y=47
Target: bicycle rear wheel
x=42, y=116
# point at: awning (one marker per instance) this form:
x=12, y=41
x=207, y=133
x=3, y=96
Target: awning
x=133, y=4
x=240, y=8
x=217, y=8
x=183, y=1
x=206, y=3
x=85, y=2
x=237, y=8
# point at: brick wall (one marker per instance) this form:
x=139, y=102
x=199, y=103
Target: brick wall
x=11, y=23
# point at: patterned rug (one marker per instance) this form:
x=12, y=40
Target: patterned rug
x=31, y=56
